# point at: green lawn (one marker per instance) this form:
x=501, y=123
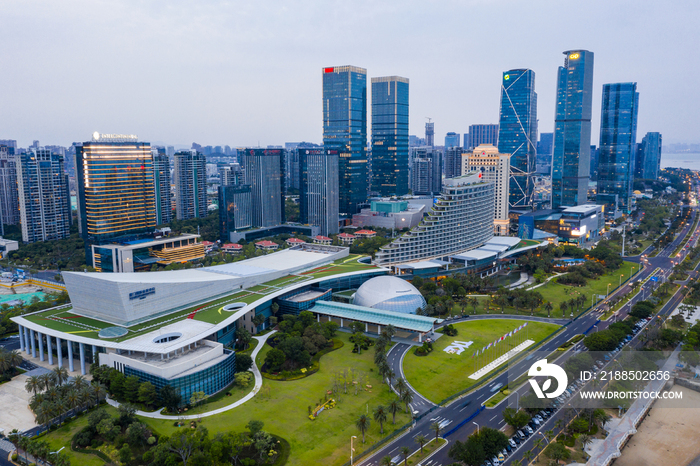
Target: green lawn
x=283, y=408
x=440, y=374
x=62, y=436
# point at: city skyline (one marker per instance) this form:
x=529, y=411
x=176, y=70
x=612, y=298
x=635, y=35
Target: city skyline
x=106, y=93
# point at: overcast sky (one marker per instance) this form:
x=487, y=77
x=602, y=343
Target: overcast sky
x=247, y=72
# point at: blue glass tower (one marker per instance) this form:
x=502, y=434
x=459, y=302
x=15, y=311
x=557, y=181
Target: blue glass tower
x=517, y=133
x=618, y=133
x=451, y=140
x=571, y=157
x=650, y=156
x=345, y=130
x=390, y=135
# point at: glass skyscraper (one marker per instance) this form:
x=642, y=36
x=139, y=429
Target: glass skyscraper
x=161, y=178
x=190, y=184
x=345, y=130
x=571, y=158
x=9, y=200
x=517, y=133
x=390, y=135
x=318, y=203
x=618, y=134
x=481, y=134
x=264, y=172
x=451, y=140
x=649, y=162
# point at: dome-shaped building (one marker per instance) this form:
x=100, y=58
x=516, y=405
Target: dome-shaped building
x=389, y=294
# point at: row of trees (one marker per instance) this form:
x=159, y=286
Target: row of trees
x=36, y=304
x=9, y=361
x=478, y=447
x=37, y=449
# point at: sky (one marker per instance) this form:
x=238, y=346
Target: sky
x=248, y=73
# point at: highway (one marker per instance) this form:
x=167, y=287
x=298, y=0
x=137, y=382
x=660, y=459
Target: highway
x=461, y=410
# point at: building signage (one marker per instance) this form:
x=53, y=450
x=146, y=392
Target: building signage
x=141, y=294
x=114, y=137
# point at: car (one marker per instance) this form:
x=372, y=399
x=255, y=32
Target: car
x=516, y=439
x=512, y=443
x=501, y=457
x=529, y=430
x=495, y=461
x=487, y=463
x=509, y=448
x=496, y=387
x=522, y=434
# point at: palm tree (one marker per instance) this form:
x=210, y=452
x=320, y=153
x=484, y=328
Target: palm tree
x=79, y=382
x=528, y=455
x=559, y=424
x=474, y=303
x=405, y=451
x=47, y=380
x=363, y=424
x=516, y=463
x=537, y=444
x=386, y=461
x=406, y=398
x=393, y=407
x=33, y=384
x=72, y=398
x=389, y=331
x=401, y=385
x=22, y=444
x=549, y=434
x=390, y=374
x=435, y=427
x=98, y=392
x=548, y=307
x=564, y=306
x=585, y=441
x=421, y=440
x=380, y=417
x=60, y=374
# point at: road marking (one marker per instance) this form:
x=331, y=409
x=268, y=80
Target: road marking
x=493, y=418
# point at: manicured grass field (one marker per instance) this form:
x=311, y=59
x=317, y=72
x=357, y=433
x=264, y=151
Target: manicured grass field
x=440, y=374
x=283, y=408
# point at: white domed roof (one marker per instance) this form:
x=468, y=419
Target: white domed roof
x=390, y=294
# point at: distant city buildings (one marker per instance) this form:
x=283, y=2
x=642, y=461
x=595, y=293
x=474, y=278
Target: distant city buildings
x=517, y=133
x=162, y=185
x=190, y=185
x=390, y=214
x=264, y=172
x=494, y=168
x=481, y=134
x=544, y=154
x=235, y=209
x=648, y=163
x=426, y=171
x=9, y=197
x=594, y=163
x=43, y=196
x=232, y=174
x=390, y=135
x=451, y=140
x=572, y=130
x=114, y=175
x=430, y=134
x=618, y=133
x=319, y=198
x=345, y=131
x=453, y=162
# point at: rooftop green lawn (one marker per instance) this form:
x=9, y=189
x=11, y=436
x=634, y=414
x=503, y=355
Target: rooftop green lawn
x=440, y=374
x=526, y=242
x=282, y=406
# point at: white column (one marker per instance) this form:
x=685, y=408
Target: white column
x=26, y=340
x=329, y=318
x=420, y=338
x=49, y=349
x=21, y=337
x=40, y=337
x=70, y=355
x=31, y=333
x=95, y=357
x=341, y=321
x=318, y=317
x=82, y=358
x=379, y=329
x=366, y=327
x=59, y=351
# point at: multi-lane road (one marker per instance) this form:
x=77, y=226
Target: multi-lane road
x=467, y=408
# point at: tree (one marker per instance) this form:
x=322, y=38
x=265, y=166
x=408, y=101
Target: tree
x=548, y=307
x=33, y=384
x=243, y=379
x=386, y=461
x=185, y=443
x=131, y=388
x=435, y=427
x=274, y=308
x=254, y=426
x=585, y=441
x=274, y=359
x=405, y=451
x=401, y=385
x=170, y=398
x=470, y=452
x=393, y=407
x=421, y=440
x=243, y=338
x=557, y=451
x=243, y=362
x=107, y=429
x=60, y=374
x=363, y=424
x=515, y=419
x=148, y=394
x=380, y=417
x=406, y=398
x=197, y=398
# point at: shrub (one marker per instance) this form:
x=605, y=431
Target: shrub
x=14, y=457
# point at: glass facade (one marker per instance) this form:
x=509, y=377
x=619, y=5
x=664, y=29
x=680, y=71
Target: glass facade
x=390, y=135
x=618, y=134
x=264, y=172
x=481, y=134
x=345, y=130
x=209, y=380
x=319, y=199
x=235, y=209
x=404, y=304
x=650, y=156
x=190, y=185
x=9, y=197
x=517, y=133
x=116, y=195
x=161, y=179
x=571, y=157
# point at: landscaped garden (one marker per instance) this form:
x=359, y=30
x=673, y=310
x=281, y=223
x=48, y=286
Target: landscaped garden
x=441, y=374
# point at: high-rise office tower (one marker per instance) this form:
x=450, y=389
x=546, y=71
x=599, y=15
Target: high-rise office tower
x=494, y=168
x=161, y=181
x=9, y=200
x=231, y=174
x=451, y=140
x=235, y=209
x=318, y=202
x=453, y=162
x=426, y=171
x=571, y=157
x=116, y=195
x=44, y=198
x=649, y=163
x=264, y=172
x=345, y=131
x=190, y=184
x=594, y=162
x=544, y=154
x=517, y=133
x=481, y=134
x=618, y=134
x=430, y=134
x=390, y=135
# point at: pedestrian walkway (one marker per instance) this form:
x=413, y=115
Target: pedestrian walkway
x=521, y=282
x=500, y=360
x=249, y=396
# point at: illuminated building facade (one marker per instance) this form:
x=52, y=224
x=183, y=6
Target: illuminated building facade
x=235, y=210
x=649, y=162
x=161, y=179
x=116, y=195
x=571, y=157
x=345, y=131
x=190, y=185
x=390, y=135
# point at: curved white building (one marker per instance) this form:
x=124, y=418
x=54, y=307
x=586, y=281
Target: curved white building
x=390, y=294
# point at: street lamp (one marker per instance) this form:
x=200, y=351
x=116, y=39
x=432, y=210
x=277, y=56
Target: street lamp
x=621, y=275
x=351, y=448
x=596, y=328
x=545, y=437
x=477, y=427
x=608, y=293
